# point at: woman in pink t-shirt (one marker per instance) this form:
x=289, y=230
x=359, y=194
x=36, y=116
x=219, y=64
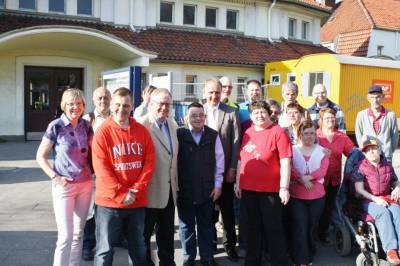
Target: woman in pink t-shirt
x=309, y=166
x=338, y=144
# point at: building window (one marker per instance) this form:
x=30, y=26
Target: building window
x=291, y=77
x=57, y=6
x=189, y=15
x=305, y=30
x=27, y=4
x=379, y=50
x=190, y=81
x=166, y=12
x=2, y=4
x=275, y=79
x=241, y=87
x=85, y=7
x=211, y=17
x=231, y=19
x=292, y=28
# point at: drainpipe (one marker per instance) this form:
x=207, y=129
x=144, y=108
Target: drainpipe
x=269, y=20
x=131, y=15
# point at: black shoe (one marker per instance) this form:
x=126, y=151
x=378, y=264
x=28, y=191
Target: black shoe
x=232, y=255
x=188, y=263
x=209, y=263
x=87, y=255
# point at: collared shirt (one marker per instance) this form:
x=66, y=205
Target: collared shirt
x=212, y=116
x=315, y=109
x=376, y=120
x=98, y=119
x=219, y=156
x=70, y=146
x=165, y=130
x=244, y=113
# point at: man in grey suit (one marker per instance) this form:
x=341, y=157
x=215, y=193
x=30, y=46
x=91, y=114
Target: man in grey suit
x=225, y=120
x=160, y=211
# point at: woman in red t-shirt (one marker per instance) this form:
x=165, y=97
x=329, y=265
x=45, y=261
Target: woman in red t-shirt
x=262, y=183
x=337, y=144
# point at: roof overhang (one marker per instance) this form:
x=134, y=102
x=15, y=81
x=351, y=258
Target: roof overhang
x=75, y=39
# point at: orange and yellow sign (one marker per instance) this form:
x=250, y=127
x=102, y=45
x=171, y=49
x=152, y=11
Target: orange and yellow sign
x=387, y=88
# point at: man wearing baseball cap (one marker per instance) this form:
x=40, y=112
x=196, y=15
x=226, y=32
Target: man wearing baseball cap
x=377, y=122
x=373, y=181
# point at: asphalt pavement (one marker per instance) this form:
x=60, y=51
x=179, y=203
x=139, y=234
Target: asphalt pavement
x=27, y=225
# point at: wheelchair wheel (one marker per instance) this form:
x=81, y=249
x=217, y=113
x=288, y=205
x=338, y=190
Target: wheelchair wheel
x=342, y=240
x=362, y=260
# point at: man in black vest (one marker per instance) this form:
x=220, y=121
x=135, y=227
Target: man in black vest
x=200, y=175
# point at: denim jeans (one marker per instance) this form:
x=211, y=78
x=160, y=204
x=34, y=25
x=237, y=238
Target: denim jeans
x=387, y=221
x=71, y=204
x=304, y=216
x=189, y=215
x=109, y=226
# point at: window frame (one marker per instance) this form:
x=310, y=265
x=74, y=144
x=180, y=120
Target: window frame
x=216, y=17
x=82, y=14
x=237, y=18
x=60, y=12
x=294, y=36
x=190, y=87
x=240, y=89
x=194, y=15
x=4, y=4
x=24, y=8
x=275, y=79
x=172, y=12
x=305, y=28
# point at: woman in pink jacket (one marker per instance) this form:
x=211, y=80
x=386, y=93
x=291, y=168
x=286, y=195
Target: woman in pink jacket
x=309, y=166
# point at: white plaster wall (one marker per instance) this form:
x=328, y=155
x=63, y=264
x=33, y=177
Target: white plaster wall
x=203, y=72
x=151, y=13
x=390, y=41
x=139, y=13
x=121, y=12
x=107, y=10
x=261, y=22
x=12, y=77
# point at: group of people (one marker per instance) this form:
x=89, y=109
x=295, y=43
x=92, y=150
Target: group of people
x=281, y=160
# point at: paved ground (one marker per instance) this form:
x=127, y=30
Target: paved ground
x=27, y=224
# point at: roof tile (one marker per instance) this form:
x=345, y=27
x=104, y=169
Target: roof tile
x=180, y=45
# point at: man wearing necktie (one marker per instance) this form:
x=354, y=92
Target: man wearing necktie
x=160, y=211
x=224, y=119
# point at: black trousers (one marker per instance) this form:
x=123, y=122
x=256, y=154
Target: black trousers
x=225, y=203
x=162, y=222
x=264, y=212
x=304, y=215
x=330, y=201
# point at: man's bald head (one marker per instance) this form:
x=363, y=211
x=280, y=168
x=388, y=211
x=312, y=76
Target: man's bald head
x=101, y=100
x=226, y=88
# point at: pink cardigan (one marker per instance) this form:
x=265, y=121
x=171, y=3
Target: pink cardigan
x=298, y=191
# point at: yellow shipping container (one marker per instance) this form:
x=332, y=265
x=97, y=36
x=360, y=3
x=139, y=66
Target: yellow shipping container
x=346, y=78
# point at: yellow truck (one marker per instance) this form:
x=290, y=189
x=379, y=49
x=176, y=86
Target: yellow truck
x=346, y=78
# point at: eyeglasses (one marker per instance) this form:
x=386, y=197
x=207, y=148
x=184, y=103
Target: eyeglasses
x=329, y=118
x=160, y=104
x=227, y=86
x=195, y=116
x=78, y=104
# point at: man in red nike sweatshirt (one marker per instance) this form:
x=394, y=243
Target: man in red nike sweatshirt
x=123, y=160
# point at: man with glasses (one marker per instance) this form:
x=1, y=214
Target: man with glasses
x=224, y=119
x=253, y=93
x=160, y=211
x=377, y=122
x=321, y=101
x=200, y=173
x=226, y=92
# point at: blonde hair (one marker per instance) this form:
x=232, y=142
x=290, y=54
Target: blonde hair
x=72, y=94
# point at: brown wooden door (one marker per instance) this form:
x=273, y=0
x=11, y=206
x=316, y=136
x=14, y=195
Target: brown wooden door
x=43, y=90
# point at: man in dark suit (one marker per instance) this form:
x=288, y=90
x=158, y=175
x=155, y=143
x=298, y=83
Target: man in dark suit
x=224, y=119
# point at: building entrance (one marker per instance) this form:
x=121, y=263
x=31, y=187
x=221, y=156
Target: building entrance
x=43, y=90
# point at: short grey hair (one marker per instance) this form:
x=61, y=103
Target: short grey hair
x=162, y=91
x=291, y=86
